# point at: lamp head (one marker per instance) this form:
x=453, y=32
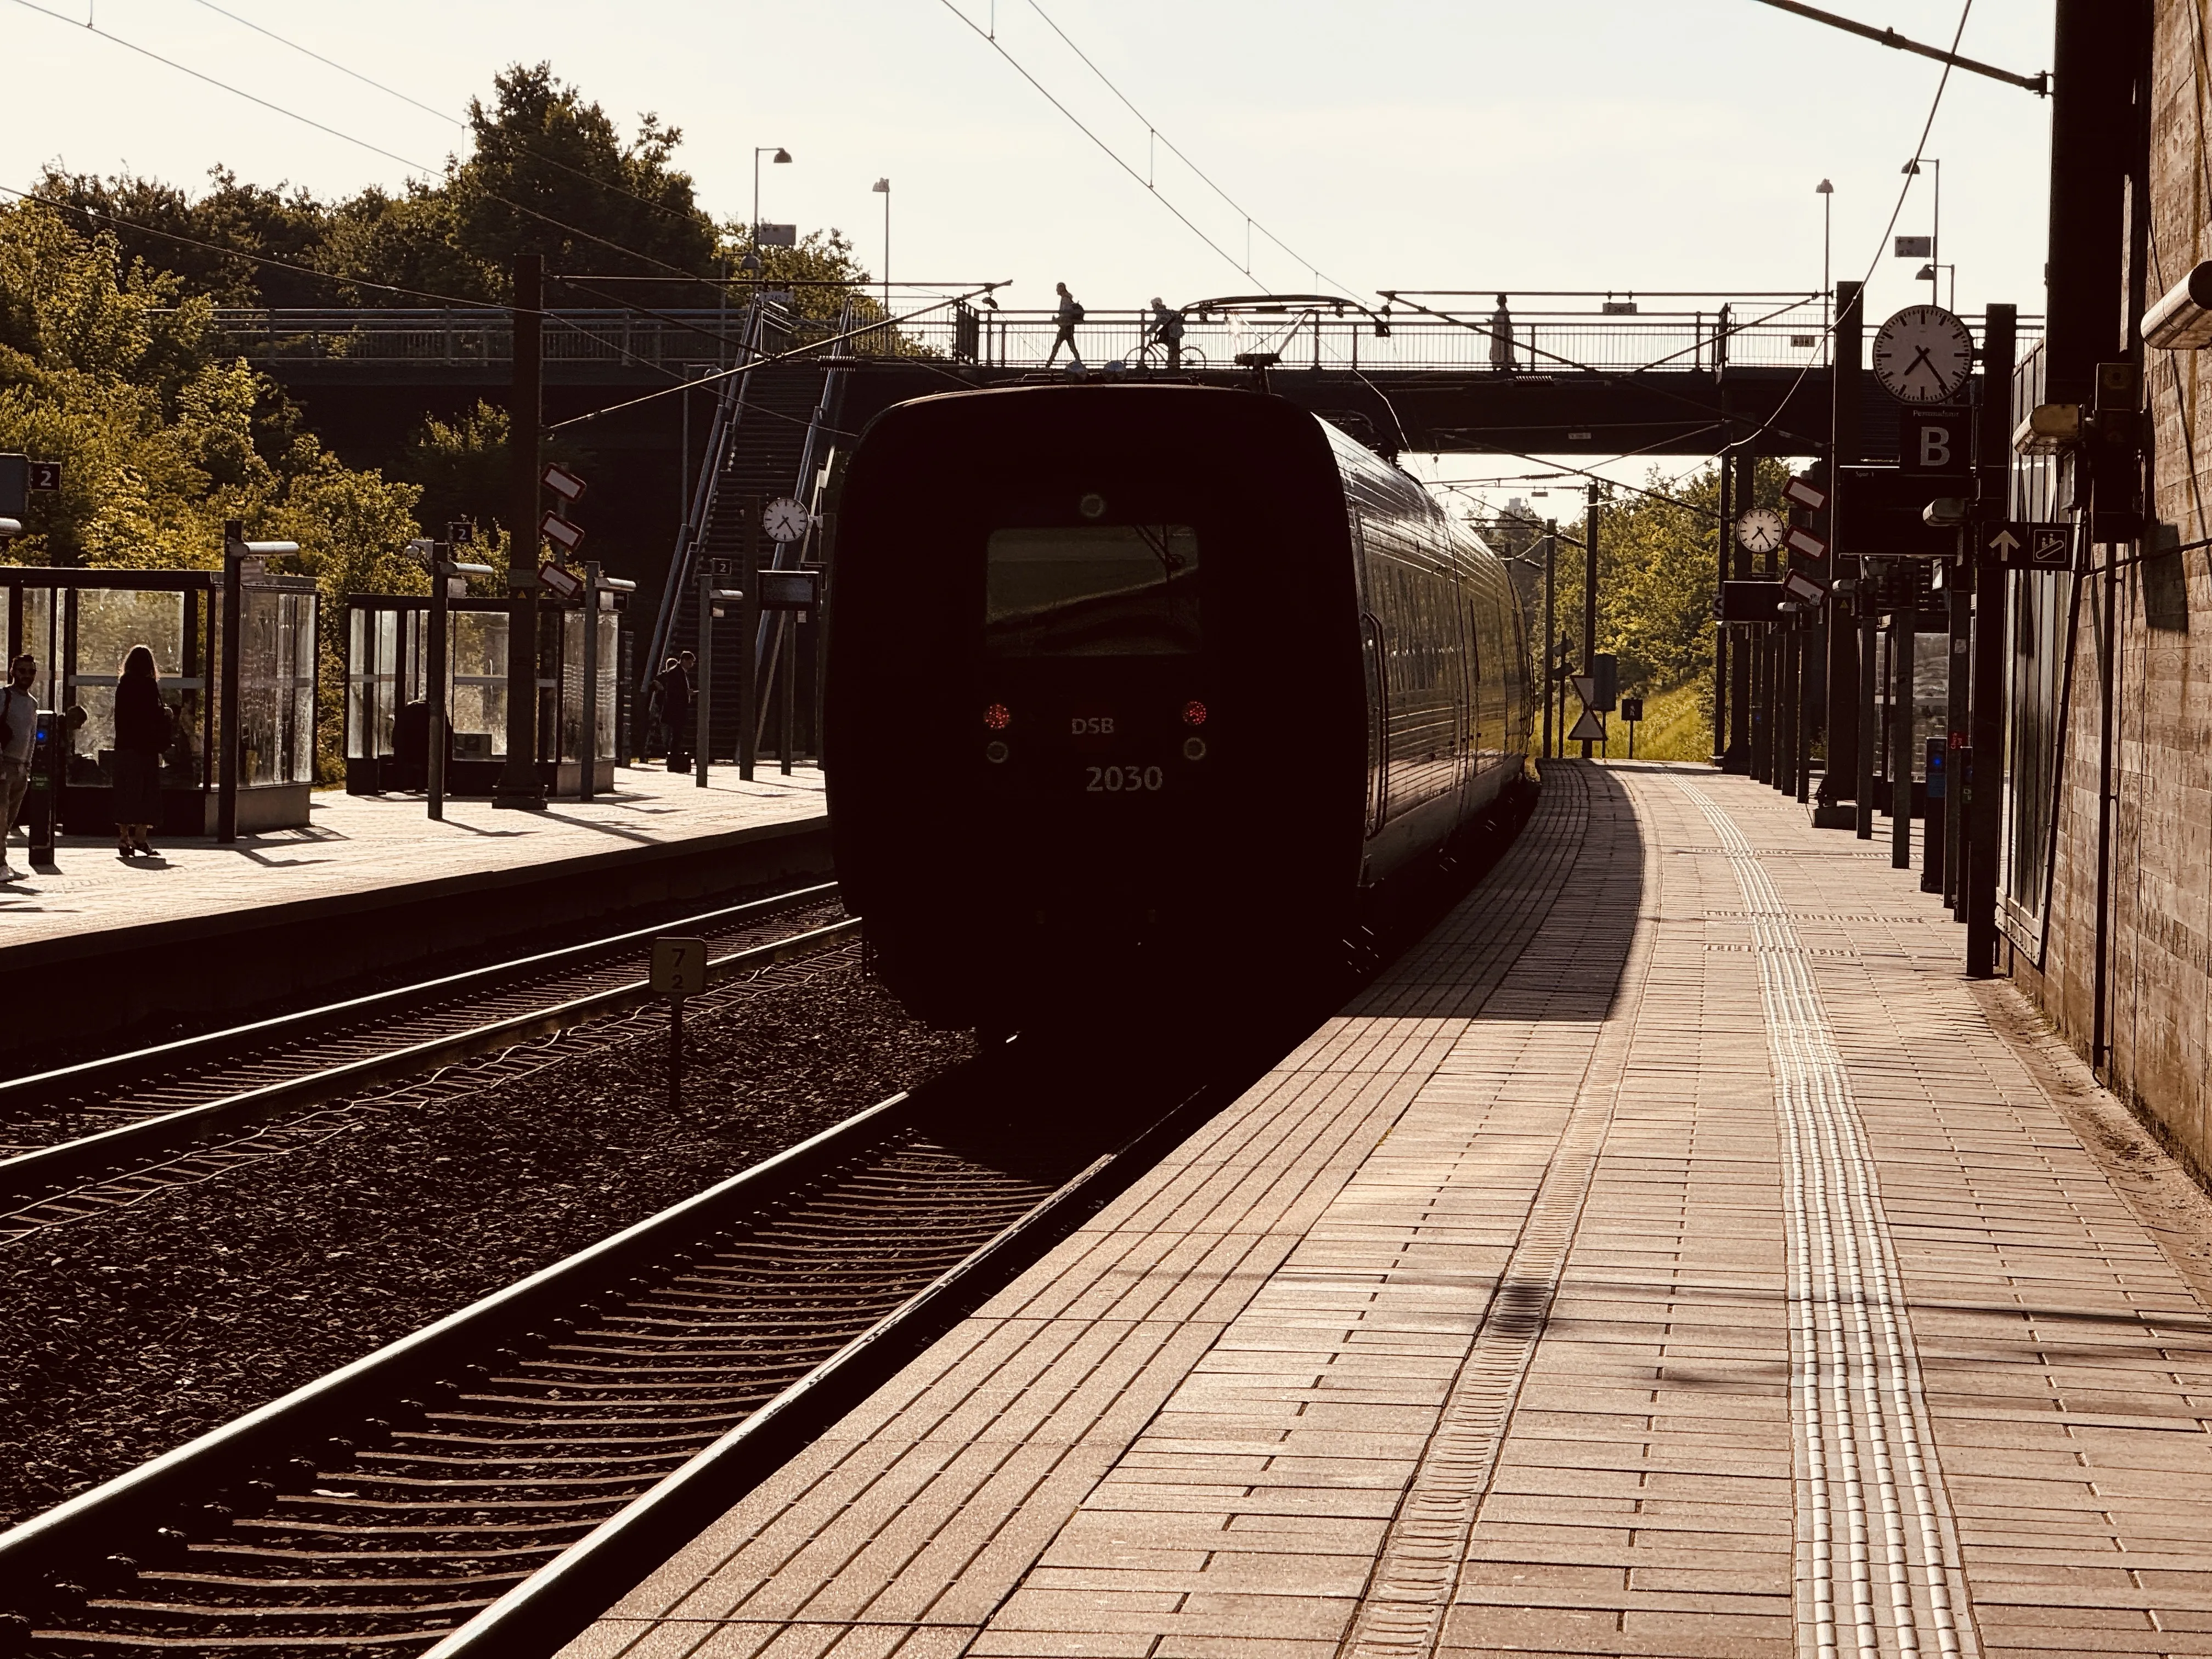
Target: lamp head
x=1911, y=169
x=881, y=187
x=1823, y=188
x=782, y=156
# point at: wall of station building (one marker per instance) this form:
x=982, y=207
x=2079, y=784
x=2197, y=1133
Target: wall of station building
x=2159, y=1000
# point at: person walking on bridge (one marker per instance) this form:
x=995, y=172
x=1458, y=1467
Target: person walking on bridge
x=1069, y=314
x=1501, y=338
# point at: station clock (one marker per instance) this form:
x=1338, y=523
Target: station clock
x=1922, y=355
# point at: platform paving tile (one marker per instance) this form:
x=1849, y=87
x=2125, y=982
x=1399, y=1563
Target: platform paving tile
x=1189, y=1430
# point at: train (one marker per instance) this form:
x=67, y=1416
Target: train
x=1137, y=695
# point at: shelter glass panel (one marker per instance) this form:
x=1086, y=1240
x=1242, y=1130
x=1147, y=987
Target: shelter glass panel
x=476, y=655
x=276, y=687
x=109, y=622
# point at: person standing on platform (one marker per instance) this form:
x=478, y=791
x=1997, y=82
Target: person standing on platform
x=1069, y=314
x=1501, y=338
x=674, y=682
x=19, y=737
x=141, y=733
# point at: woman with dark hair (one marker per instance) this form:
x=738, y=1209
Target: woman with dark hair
x=141, y=733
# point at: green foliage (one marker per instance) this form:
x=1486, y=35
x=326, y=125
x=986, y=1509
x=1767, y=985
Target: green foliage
x=1657, y=561
x=105, y=369
x=542, y=148
x=548, y=172
x=459, y=466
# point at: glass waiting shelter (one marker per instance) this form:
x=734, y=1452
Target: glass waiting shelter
x=387, y=724
x=79, y=623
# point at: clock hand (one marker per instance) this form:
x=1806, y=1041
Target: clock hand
x=1919, y=357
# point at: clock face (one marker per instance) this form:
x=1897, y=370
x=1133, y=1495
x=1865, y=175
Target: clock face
x=785, y=520
x=1922, y=355
x=1759, y=531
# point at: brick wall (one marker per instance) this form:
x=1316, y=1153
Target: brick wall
x=2161, y=962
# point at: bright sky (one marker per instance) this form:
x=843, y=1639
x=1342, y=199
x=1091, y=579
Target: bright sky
x=1403, y=143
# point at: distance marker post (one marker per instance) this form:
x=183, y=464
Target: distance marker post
x=679, y=971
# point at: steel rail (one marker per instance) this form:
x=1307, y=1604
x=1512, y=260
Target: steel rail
x=65, y=1584
x=49, y=1170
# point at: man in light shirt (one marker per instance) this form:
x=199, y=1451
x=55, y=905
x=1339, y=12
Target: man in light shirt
x=19, y=733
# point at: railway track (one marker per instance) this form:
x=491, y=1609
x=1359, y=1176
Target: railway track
x=83, y=1137
x=493, y=1481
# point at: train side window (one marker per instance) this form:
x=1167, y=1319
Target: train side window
x=1378, y=725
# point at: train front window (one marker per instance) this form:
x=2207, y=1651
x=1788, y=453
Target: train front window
x=1123, y=590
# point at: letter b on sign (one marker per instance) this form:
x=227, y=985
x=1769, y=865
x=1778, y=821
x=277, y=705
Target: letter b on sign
x=1935, y=443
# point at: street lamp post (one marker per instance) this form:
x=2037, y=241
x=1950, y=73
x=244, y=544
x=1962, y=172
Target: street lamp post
x=1927, y=273
x=782, y=159
x=1826, y=193
x=883, y=188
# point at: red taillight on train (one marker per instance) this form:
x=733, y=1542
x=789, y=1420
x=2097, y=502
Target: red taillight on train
x=998, y=717
x=1194, y=713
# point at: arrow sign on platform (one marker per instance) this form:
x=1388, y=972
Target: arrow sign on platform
x=2004, y=543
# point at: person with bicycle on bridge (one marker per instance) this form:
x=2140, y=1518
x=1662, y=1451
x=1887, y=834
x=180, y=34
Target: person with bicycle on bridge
x=1167, y=330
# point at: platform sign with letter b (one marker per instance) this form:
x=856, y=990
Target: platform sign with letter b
x=1935, y=443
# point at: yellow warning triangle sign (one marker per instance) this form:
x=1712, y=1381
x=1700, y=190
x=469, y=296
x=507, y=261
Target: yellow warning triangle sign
x=1589, y=729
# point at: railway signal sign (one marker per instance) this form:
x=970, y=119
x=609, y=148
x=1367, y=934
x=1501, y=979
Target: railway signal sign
x=564, y=484
x=564, y=533
x=1631, y=709
x=1807, y=545
x=561, y=584
x=1806, y=495
x=1590, y=728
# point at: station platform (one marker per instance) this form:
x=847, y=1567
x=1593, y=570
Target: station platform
x=1673, y=1255
x=374, y=882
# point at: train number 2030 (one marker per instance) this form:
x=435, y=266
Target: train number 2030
x=1118, y=779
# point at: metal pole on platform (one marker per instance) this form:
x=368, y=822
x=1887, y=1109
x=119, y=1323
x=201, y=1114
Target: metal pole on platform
x=589, y=741
x=1589, y=597
x=1550, y=590
x=702, y=694
x=1984, y=806
x=787, y=688
x=1958, y=610
x=749, y=676
x=434, y=691
x=227, y=759
x=519, y=785
x=1901, y=647
x=1838, y=778
x=1869, y=680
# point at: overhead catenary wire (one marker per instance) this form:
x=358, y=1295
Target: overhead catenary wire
x=692, y=215
x=345, y=137
x=779, y=357
x=1113, y=154
x=1153, y=132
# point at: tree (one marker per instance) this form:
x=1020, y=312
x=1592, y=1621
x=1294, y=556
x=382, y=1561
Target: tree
x=543, y=155
x=110, y=369
x=216, y=239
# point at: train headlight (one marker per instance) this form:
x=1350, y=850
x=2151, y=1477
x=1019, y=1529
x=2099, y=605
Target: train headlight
x=1194, y=713
x=995, y=751
x=998, y=716
x=1194, y=748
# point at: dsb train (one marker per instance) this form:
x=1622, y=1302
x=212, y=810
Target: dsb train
x=1138, y=693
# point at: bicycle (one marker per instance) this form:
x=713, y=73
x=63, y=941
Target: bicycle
x=1152, y=357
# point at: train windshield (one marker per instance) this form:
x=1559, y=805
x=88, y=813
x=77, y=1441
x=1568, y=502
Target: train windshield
x=1122, y=590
